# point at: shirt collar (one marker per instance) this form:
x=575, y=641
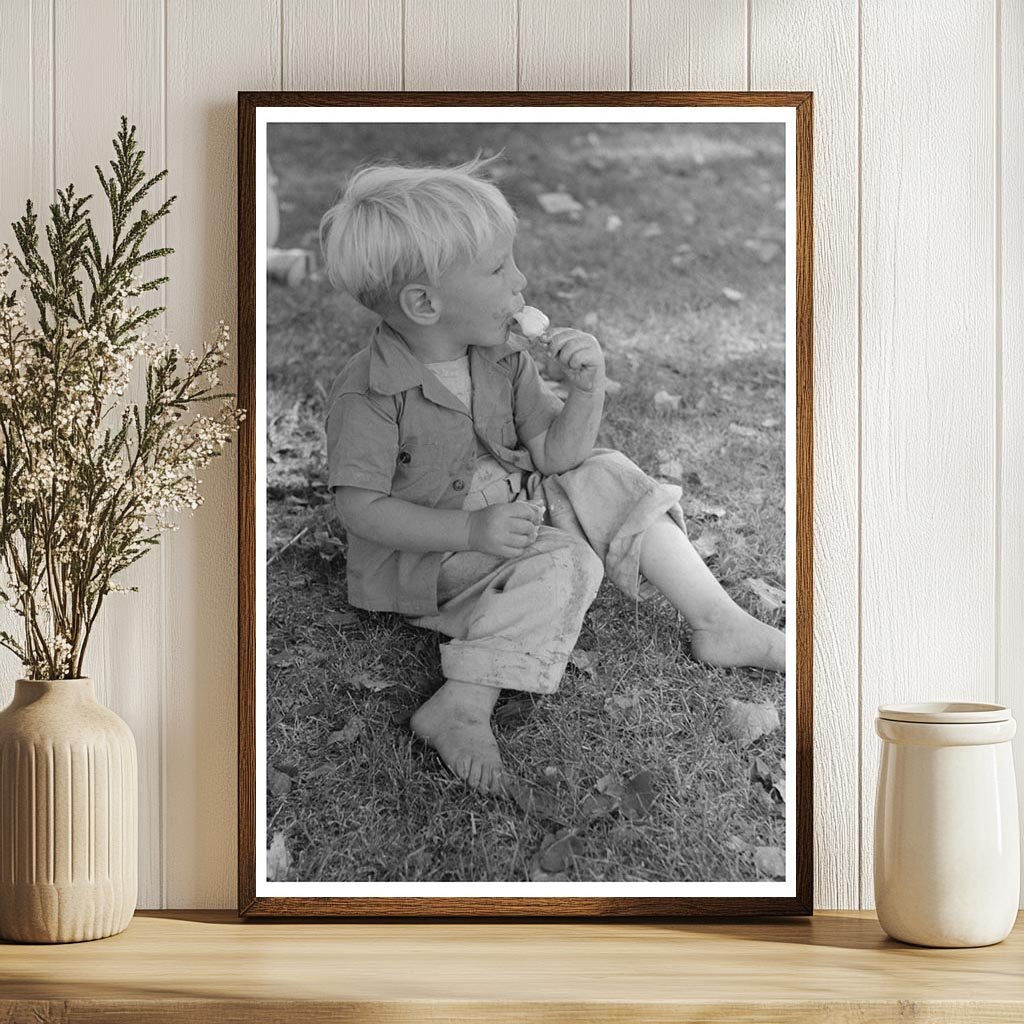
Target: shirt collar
x=393, y=367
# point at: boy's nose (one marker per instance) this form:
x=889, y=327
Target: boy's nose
x=522, y=282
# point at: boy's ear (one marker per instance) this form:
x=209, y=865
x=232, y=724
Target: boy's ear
x=420, y=303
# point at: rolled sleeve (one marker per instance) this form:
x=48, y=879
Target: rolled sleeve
x=535, y=406
x=362, y=443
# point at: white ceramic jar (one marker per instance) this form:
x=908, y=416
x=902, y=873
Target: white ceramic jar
x=947, y=847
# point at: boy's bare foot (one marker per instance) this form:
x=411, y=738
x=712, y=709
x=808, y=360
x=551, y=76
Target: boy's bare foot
x=738, y=639
x=456, y=722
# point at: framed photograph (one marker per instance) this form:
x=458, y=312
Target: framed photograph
x=525, y=504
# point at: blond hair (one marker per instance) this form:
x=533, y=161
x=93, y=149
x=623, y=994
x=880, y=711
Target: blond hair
x=397, y=224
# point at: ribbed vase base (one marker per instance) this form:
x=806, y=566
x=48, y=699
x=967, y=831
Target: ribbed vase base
x=63, y=913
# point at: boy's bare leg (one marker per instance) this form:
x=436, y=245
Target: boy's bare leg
x=456, y=722
x=723, y=633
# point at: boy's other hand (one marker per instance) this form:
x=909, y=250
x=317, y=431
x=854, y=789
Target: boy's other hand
x=504, y=530
x=580, y=355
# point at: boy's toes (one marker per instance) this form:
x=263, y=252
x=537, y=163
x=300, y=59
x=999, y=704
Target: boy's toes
x=491, y=780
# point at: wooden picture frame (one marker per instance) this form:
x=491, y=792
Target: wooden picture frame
x=792, y=896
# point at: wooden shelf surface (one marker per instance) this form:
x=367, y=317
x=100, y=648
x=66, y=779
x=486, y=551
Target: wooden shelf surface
x=200, y=966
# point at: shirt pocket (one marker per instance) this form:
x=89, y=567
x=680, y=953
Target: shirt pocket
x=501, y=429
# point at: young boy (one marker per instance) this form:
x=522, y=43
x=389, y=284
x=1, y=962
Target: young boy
x=473, y=498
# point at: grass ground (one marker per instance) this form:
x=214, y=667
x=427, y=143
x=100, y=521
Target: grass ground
x=635, y=770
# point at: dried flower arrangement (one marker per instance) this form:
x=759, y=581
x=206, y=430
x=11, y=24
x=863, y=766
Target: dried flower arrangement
x=88, y=477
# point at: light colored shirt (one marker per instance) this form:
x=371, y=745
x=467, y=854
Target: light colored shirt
x=492, y=483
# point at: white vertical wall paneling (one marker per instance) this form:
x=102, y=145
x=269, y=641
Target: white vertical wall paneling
x=941, y=223
x=574, y=44
x=122, y=656
x=814, y=46
x=213, y=51
x=1011, y=316
x=700, y=44
x=26, y=103
x=928, y=411
x=342, y=44
x=469, y=45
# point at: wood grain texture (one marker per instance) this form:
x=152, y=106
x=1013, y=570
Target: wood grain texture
x=226, y=47
x=341, y=44
x=468, y=45
x=699, y=44
x=122, y=657
x=204, y=967
x=574, y=44
x=1010, y=314
x=780, y=58
x=26, y=123
x=928, y=412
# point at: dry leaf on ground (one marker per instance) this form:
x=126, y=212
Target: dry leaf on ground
x=365, y=681
x=556, y=851
x=348, y=733
x=596, y=804
x=748, y=722
x=672, y=469
x=751, y=433
x=706, y=545
x=638, y=796
x=340, y=619
x=584, y=661
x=765, y=251
x=773, y=598
x=538, y=874
x=770, y=860
x=665, y=402
x=558, y=202
x=536, y=802
x=278, y=782
x=697, y=509
x=329, y=546
x=621, y=705
x=279, y=860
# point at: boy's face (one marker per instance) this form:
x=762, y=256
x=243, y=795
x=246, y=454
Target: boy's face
x=478, y=299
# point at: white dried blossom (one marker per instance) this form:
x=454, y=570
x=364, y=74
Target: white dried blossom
x=78, y=462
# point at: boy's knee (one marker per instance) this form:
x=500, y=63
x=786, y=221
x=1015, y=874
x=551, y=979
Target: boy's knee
x=579, y=565
x=613, y=462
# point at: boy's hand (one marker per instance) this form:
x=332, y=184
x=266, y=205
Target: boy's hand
x=580, y=355
x=504, y=530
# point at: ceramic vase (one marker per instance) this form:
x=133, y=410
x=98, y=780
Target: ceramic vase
x=68, y=815
x=947, y=847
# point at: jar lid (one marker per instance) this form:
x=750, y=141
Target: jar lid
x=945, y=713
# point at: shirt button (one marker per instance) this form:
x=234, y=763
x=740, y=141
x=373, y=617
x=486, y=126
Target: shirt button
x=458, y=485
x=404, y=458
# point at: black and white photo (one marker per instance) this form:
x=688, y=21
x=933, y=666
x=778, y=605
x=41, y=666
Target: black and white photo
x=525, y=502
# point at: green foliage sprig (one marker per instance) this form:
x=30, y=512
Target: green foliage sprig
x=88, y=477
